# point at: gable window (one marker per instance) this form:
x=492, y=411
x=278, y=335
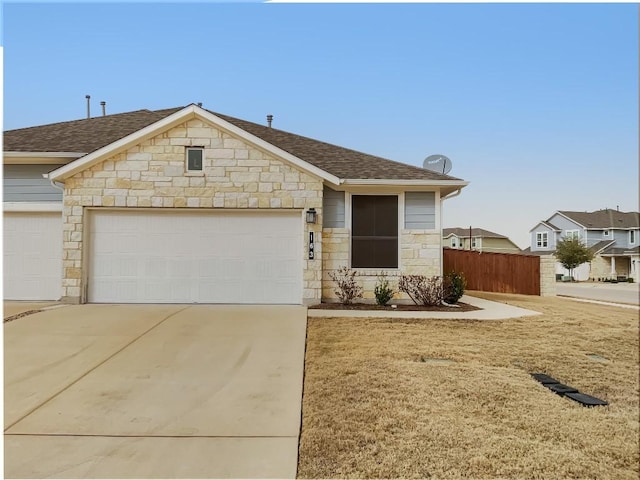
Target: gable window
x=606, y=233
x=374, y=231
x=542, y=239
x=632, y=237
x=195, y=155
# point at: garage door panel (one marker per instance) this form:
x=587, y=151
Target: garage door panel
x=32, y=256
x=186, y=257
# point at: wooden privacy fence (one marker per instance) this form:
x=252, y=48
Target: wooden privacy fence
x=495, y=272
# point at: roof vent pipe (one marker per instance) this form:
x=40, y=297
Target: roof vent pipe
x=269, y=120
x=88, y=97
x=199, y=104
x=103, y=104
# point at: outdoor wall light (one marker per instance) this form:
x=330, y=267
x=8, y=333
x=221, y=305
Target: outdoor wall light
x=311, y=215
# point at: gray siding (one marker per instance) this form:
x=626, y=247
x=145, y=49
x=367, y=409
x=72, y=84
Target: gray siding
x=24, y=183
x=595, y=236
x=563, y=223
x=332, y=208
x=550, y=236
x=420, y=210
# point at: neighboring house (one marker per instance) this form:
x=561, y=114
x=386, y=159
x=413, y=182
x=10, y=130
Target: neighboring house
x=613, y=236
x=185, y=205
x=480, y=239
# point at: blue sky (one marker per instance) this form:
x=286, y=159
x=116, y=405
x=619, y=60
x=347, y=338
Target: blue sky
x=536, y=104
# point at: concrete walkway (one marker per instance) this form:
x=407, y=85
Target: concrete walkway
x=152, y=391
x=490, y=311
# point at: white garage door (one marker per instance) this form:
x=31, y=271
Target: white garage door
x=141, y=256
x=32, y=256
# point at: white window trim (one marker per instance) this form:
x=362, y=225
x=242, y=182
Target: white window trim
x=347, y=223
x=540, y=243
x=606, y=233
x=632, y=237
x=572, y=234
x=454, y=242
x=186, y=161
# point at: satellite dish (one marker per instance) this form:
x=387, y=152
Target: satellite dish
x=438, y=164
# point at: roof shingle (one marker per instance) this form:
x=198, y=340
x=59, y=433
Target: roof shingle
x=88, y=135
x=606, y=218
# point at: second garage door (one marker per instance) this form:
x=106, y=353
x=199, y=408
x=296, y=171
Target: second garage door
x=142, y=256
x=32, y=255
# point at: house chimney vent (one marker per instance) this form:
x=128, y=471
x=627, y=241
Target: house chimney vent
x=103, y=104
x=269, y=120
x=88, y=97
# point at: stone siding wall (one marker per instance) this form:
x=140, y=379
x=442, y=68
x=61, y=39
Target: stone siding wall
x=153, y=175
x=420, y=254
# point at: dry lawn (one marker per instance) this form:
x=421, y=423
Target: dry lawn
x=370, y=410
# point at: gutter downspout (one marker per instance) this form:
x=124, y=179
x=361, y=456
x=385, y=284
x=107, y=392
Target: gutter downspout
x=53, y=183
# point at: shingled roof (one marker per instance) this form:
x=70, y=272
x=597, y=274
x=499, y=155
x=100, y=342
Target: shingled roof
x=475, y=232
x=88, y=135
x=81, y=136
x=606, y=218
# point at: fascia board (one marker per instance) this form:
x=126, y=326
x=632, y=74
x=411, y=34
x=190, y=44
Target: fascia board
x=39, y=158
x=406, y=183
x=125, y=142
x=553, y=229
x=264, y=145
x=32, y=207
x=43, y=154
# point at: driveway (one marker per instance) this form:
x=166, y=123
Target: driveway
x=606, y=292
x=149, y=391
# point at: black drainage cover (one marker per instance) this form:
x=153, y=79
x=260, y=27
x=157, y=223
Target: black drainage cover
x=561, y=389
x=586, y=400
x=544, y=379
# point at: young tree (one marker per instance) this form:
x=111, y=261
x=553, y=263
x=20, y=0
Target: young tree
x=571, y=253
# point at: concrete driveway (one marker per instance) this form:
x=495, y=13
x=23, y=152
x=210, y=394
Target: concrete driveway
x=149, y=391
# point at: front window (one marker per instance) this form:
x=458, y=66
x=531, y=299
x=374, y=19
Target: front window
x=572, y=234
x=374, y=235
x=454, y=242
x=606, y=233
x=542, y=239
x=632, y=237
x=475, y=242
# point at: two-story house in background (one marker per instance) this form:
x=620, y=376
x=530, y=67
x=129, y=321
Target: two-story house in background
x=478, y=239
x=613, y=237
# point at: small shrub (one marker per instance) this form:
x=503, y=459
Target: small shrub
x=347, y=288
x=383, y=290
x=422, y=290
x=630, y=280
x=454, y=285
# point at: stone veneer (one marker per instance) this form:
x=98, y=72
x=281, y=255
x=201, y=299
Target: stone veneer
x=152, y=174
x=547, y=276
x=420, y=252
x=601, y=267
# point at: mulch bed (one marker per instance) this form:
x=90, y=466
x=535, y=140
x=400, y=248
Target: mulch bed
x=463, y=307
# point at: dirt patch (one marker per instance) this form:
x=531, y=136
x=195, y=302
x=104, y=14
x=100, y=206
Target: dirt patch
x=373, y=409
x=462, y=307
